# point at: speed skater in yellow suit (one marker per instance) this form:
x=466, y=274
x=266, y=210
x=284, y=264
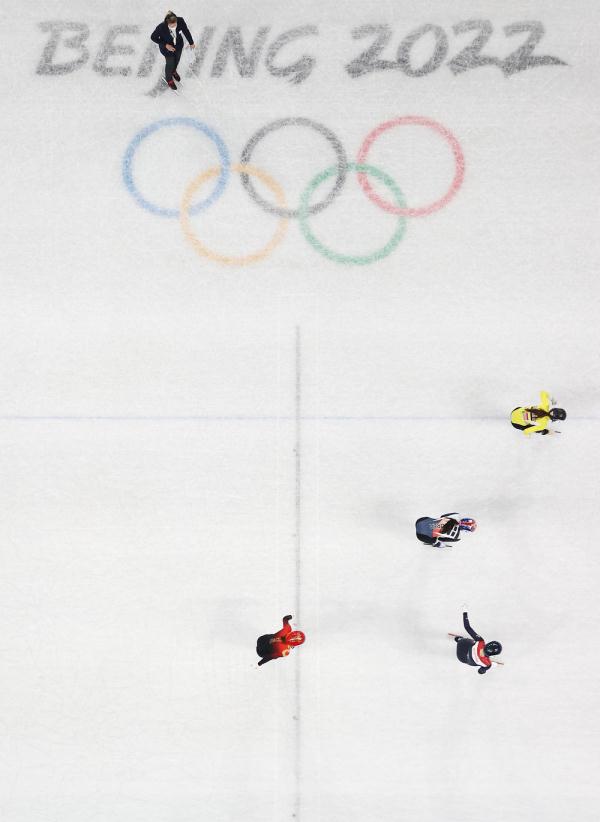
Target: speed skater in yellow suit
x=534, y=419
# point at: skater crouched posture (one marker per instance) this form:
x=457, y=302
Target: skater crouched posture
x=170, y=42
x=445, y=529
x=272, y=646
x=535, y=419
x=476, y=651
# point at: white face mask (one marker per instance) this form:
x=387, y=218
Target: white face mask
x=173, y=27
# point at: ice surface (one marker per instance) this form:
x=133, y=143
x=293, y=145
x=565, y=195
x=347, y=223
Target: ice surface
x=192, y=450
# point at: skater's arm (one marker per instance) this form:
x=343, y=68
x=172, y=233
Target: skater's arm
x=540, y=428
x=185, y=31
x=447, y=538
x=541, y=425
x=156, y=36
x=433, y=541
x=468, y=628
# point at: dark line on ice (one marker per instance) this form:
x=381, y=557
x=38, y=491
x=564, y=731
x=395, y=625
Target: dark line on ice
x=298, y=558
x=258, y=418
x=298, y=465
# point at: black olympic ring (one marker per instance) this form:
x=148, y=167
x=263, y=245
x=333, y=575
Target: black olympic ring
x=342, y=165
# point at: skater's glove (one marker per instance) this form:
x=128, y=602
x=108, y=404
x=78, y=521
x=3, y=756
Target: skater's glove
x=482, y=670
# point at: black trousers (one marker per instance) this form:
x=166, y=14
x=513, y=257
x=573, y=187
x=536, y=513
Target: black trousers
x=422, y=537
x=463, y=649
x=171, y=62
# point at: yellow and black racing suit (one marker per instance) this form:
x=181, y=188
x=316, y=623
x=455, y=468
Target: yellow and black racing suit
x=535, y=419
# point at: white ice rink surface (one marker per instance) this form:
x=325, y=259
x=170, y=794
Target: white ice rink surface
x=191, y=450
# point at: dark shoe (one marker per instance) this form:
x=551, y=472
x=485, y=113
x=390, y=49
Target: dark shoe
x=287, y=618
x=176, y=77
x=457, y=638
x=172, y=85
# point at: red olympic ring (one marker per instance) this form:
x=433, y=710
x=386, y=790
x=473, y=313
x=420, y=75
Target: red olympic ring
x=422, y=211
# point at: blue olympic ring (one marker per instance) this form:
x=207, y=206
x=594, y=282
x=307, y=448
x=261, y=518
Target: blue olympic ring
x=176, y=121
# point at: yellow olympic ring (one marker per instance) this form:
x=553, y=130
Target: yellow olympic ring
x=240, y=168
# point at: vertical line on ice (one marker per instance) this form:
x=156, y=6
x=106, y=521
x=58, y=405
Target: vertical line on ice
x=298, y=549
x=298, y=472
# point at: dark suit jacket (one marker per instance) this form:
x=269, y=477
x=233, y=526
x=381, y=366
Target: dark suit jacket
x=162, y=36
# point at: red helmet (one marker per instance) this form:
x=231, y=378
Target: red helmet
x=295, y=638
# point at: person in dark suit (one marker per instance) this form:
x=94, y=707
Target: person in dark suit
x=168, y=36
x=446, y=528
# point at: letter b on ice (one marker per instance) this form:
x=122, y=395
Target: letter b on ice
x=80, y=33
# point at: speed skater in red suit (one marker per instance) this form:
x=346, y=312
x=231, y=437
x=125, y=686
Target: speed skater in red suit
x=273, y=646
x=476, y=651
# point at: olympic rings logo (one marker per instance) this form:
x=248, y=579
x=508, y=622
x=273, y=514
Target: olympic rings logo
x=306, y=209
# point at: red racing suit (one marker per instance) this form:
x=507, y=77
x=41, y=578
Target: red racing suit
x=273, y=646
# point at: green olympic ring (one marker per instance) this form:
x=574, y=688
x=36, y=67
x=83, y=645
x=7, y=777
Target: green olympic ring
x=336, y=256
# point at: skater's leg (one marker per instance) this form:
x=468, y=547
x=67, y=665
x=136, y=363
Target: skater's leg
x=263, y=645
x=463, y=650
x=170, y=66
x=177, y=57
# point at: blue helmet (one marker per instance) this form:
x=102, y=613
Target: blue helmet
x=468, y=524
